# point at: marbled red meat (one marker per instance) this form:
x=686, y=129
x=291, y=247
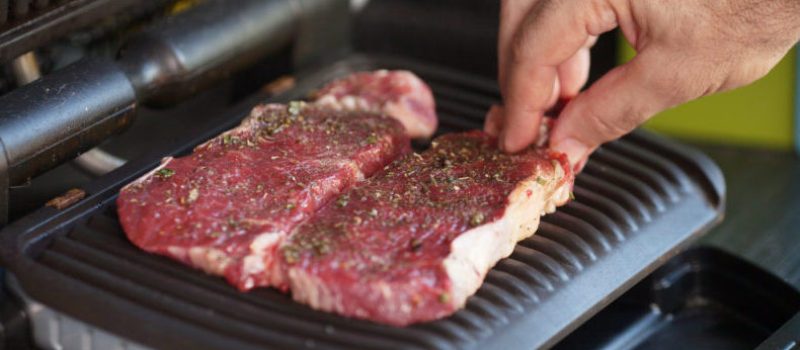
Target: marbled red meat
x=413, y=242
x=281, y=201
x=400, y=94
x=225, y=207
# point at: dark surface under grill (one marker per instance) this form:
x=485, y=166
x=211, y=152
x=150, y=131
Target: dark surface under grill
x=639, y=200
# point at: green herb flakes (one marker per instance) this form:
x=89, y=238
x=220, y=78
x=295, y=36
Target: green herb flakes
x=444, y=297
x=290, y=206
x=165, y=173
x=372, y=139
x=542, y=181
x=342, y=201
x=291, y=254
x=295, y=107
x=571, y=195
x=476, y=219
x=321, y=247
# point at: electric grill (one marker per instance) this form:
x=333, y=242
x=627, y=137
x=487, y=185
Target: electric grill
x=80, y=284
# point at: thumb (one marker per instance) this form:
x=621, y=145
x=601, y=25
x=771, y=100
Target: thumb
x=614, y=105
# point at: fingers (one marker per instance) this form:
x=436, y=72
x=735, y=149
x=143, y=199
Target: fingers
x=512, y=12
x=616, y=104
x=494, y=120
x=550, y=35
x=574, y=73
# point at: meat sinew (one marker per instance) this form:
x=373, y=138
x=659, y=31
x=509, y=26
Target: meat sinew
x=225, y=207
x=400, y=94
x=413, y=242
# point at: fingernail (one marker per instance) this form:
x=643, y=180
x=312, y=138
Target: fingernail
x=575, y=150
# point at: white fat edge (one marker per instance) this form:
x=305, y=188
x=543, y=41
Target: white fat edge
x=150, y=174
x=212, y=261
x=477, y=250
x=260, y=259
x=177, y=252
x=416, y=126
x=351, y=103
x=254, y=262
x=560, y=195
x=544, y=132
x=357, y=172
x=329, y=101
x=310, y=290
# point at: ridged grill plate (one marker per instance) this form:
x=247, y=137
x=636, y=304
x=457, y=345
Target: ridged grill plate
x=639, y=200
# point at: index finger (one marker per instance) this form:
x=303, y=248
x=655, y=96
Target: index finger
x=550, y=35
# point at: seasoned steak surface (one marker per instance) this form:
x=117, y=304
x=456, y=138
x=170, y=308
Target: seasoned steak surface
x=413, y=242
x=225, y=207
x=288, y=199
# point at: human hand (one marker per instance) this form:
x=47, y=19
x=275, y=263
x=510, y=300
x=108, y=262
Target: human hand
x=686, y=49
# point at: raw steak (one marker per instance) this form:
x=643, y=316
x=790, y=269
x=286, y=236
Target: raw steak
x=413, y=242
x=400, y=94
x=225, y=207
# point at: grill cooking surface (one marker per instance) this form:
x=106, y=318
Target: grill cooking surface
x=638, y=200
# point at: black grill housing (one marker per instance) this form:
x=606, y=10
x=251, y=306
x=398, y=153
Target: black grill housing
x=26, y=25
x=639, y=200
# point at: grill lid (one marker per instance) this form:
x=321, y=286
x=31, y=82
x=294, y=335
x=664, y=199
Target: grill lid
x=639, y=200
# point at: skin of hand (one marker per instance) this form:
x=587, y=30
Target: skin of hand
x=686, y=49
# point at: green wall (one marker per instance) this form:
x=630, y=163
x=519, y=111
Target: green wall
x=758, y=115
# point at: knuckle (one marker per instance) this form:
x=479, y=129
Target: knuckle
x=606, y=128
x=519, y=49
x=678, y=83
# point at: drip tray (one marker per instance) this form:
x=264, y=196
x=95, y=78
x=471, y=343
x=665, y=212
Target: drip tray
x=702, y=299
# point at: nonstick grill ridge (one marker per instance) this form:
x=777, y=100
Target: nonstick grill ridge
x=638, y=200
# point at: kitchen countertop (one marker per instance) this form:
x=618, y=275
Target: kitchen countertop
x=762, y=219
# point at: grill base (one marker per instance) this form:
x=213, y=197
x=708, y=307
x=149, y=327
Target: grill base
x=56, y=331
x=639, y=200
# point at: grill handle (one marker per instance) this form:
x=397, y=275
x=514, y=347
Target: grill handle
x=54, y=119
x=207, y=43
